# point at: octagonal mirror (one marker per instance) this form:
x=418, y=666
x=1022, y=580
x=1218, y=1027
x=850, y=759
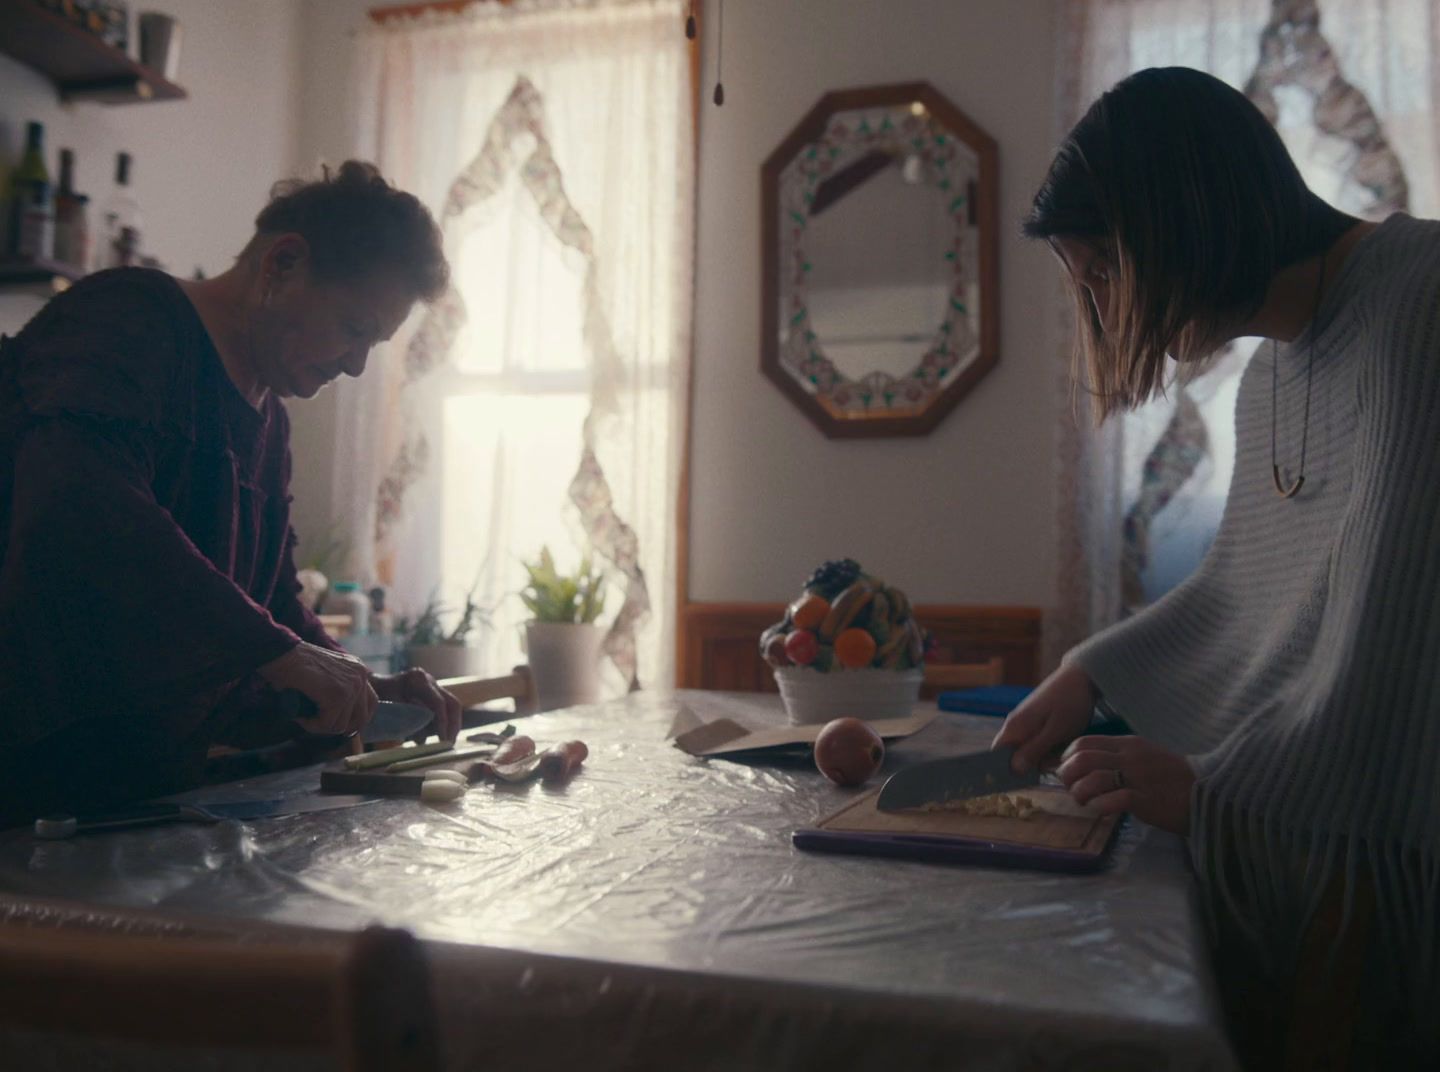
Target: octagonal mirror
x=880, y=260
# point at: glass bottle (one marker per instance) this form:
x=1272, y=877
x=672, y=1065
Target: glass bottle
x=72, y=232
x=121, y=220
x=31, y=222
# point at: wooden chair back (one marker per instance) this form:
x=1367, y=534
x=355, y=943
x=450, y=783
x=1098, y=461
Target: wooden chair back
x=518, y=685
x=941, y=677
x=81, y=972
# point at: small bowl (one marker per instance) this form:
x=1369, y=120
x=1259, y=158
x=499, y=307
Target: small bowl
x=867, y=694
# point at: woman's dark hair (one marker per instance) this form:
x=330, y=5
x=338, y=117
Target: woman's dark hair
x=1189, y=193
x=357, y=224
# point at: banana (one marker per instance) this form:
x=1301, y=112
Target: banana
x=846, y=608
x=880, y=608
x=916, y=637
x=897, y=644
x=899, y=603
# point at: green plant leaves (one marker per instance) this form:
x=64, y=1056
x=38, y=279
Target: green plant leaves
x=429, y=626
x=551, y=597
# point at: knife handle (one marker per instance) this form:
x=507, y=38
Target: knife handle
x=292, y=703
x=295, y=705
x=57, y=827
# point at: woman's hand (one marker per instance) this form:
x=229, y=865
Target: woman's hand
x=338, y=685
x=418, y=687
x=1050, y=717
x=1130, y=774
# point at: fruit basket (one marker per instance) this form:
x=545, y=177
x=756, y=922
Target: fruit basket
x=848, y=645
x=811, y=696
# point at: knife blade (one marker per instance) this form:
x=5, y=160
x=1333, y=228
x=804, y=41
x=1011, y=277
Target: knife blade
x=977, y=774
x=395, y=721
x=56, y=827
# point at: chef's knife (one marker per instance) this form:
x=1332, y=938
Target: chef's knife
x=392, y=720
x=956, y=778
x=55, y=827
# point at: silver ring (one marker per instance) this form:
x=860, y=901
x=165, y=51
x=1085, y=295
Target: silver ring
x=1119, y=779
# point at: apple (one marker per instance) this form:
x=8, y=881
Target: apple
x=775, y=650
x=802, y=647
x=848, y=752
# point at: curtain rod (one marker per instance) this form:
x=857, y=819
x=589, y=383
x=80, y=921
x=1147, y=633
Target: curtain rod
x=401, y=11
x=384, y=14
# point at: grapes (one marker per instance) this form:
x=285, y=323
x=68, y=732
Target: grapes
x=832, y=578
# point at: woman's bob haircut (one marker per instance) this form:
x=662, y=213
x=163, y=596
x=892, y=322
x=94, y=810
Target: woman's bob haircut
x=1188, y=192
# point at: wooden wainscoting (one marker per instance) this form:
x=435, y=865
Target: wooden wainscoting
x=720, y=642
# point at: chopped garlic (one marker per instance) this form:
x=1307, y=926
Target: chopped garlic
x=1005, y=805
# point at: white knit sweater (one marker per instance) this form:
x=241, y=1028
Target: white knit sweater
x=1299, y=666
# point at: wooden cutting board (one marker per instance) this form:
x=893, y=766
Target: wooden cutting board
x=1061, y=835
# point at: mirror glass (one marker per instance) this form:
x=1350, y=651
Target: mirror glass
x=878, y=249
x=879, y=279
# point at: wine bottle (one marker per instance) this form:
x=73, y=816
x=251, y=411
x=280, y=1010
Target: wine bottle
x=72, y=231
x=122, y=220
x=31, y=222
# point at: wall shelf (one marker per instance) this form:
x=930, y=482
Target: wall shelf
x=37, y=274
x=83, y=67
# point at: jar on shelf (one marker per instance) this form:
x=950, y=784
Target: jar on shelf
x=346, y=598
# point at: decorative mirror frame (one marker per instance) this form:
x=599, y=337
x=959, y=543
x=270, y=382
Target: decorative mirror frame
x=930, y=367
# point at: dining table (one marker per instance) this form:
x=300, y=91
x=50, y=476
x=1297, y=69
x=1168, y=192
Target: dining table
x=653, y=912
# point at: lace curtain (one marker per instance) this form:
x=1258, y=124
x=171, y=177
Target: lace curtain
x=541, y=400
x=1353, y=86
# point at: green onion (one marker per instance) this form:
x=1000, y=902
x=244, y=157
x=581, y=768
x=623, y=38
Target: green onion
x=386, y=756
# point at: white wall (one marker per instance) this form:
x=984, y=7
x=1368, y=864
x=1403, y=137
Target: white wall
x=964, y=515
x=326, y=117
x=202, y=166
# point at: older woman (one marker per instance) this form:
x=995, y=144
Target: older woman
x=148, y=601
x=1285, y=697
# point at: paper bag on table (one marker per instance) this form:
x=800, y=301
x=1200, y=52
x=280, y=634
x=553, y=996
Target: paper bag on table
x=726, y=738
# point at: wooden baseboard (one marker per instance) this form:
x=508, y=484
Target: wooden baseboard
x=720, y=642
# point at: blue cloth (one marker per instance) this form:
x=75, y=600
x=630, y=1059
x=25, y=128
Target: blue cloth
x=998, y=700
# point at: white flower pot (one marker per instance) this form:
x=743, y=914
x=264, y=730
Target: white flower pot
x=445, y=660
x=565, y=660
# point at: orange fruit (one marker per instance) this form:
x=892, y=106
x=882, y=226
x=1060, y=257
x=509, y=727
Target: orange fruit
x=809, y=611
x=855, y=648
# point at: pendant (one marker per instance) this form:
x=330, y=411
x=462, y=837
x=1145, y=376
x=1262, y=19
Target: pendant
x=1293, y=489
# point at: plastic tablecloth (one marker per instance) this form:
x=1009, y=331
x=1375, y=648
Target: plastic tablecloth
x=653, y=913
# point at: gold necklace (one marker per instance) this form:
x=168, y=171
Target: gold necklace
x=1294, y=489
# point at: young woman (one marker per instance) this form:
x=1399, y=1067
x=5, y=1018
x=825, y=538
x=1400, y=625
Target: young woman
x=1286, y=698
x=148, y=601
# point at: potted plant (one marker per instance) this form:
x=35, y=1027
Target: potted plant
x=562, y=640
x=444, y=652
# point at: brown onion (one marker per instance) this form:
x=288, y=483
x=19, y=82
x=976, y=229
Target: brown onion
x=847, y=751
